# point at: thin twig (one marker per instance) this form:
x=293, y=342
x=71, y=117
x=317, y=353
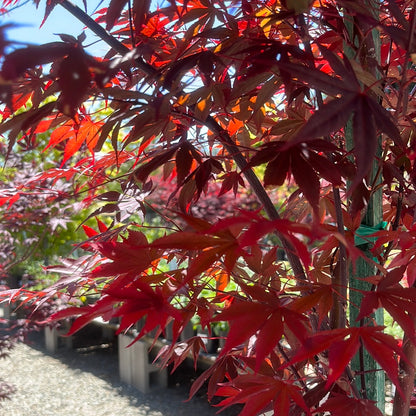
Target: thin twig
x=131, y=26
x=292, y=367
x=30, y=250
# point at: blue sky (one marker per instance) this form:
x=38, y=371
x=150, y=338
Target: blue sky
x=28, y=20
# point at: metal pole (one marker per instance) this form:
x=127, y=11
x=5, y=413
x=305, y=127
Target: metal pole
x=370, y=379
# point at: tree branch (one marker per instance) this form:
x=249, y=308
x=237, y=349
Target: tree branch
x=211, y=123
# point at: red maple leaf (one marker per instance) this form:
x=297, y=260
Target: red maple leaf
x=342, y=345
x=263, y=316
x=260, y=393
x=342, y=405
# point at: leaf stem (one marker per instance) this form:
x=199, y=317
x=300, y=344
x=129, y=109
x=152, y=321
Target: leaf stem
x=292, y=367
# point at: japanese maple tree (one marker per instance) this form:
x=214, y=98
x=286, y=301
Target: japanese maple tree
x=312, y=97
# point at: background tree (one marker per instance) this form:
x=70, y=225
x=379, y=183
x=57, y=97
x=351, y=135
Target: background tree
x=37, y=226
x=313, y=95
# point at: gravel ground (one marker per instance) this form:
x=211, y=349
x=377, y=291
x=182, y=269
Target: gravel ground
x=75, y=383
x=85, y=382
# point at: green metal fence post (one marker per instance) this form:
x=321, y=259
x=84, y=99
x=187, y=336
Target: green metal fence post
x=372, y=380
